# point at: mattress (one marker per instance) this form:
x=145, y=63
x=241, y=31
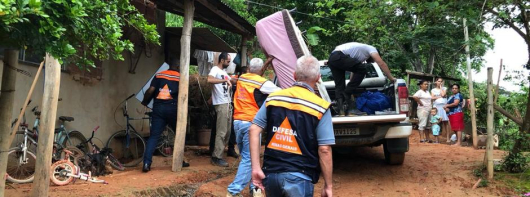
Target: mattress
x=279, y=36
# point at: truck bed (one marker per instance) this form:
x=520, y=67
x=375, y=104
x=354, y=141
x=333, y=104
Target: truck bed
x=369, y=118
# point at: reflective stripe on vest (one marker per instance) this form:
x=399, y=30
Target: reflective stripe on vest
x=245, y=106
x=168, y=75
x=300, y=99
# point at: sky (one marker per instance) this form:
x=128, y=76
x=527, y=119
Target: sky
x=511, y=48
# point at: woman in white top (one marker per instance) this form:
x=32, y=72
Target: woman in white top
x=424, y=99
x=439, y=96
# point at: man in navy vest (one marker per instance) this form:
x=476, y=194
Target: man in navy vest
x=299, y=137
x=164, y=90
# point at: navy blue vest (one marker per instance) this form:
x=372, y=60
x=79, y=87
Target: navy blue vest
x=292, y=117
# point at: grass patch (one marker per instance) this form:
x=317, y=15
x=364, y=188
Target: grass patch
x=519, y=182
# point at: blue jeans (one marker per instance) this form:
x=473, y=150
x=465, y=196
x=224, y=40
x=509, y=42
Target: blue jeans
x=244, y=171
x=287, y=184
x=163, y=114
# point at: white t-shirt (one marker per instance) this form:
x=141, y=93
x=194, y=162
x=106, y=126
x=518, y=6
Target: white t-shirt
x=355, y=50
x=425, y=98
x=268, y=87
x=438, y=92
x=221, y=91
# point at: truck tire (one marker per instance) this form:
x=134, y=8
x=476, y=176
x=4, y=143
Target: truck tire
x=396, y=158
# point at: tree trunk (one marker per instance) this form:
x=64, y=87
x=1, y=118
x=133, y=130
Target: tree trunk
x=471, y=93
x=7, y=98
x=490, y=126
x=52, y=82
x=182, y=113
x=430, y=64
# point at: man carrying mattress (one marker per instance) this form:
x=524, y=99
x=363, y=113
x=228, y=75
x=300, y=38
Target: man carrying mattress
x=354, y=57
x=252, y=90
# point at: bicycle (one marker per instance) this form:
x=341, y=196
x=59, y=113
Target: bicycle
x=64, y=172
x=86, y=163
x=21, y=160
x=128, y=143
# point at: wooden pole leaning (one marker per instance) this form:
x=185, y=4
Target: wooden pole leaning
x=182, y=111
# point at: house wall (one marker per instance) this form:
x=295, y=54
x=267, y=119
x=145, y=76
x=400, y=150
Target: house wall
x=93, y=104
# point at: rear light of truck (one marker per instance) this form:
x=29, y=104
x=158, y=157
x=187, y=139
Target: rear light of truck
x=403, y=95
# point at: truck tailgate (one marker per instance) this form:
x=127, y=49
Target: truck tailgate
x=369, y=119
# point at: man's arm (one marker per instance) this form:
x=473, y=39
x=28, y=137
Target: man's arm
x=257, y=173
x=383, y=66
x=266, y=65
x=326, y=138
x=326, y=164
x=148, y=96
x=214, y=80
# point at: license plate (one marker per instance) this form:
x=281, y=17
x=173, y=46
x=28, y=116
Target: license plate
x=346, y=131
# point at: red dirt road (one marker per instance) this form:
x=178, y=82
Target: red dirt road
x=428, y=170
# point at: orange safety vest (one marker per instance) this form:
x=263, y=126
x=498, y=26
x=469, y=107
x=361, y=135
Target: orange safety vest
x=245, y=106
x=172, y=78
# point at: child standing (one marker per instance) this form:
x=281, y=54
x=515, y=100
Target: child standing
x=435, y=127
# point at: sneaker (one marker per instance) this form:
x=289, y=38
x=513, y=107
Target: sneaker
x=257, y=193
x=340, y=107
x=146, y=167
x=185, y=164
x=232, y=153
x=228, y=194
x=219, y=162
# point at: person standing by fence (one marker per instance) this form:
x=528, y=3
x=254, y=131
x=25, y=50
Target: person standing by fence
x=423, y=98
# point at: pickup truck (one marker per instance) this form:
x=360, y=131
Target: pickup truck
x=390, y=129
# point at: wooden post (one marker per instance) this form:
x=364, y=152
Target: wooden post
x=244, y=51
x=25, y=104
x=491, y=112
x=182, y=113
x=498, y=82
x=471, y=93
x=7, y=97
x=52, y=81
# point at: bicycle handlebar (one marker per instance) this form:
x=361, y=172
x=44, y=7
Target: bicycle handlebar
x=92, y=136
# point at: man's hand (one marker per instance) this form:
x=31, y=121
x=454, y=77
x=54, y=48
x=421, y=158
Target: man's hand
x=392, y=79
x=327, y=192
x=257, y=178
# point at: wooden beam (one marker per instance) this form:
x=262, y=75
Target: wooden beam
x=244, y=51
x=7, y=97
x=182, y=112
x=498, y=82
x=491, y=113
x=25, y=104
x=52, y=81
x=220, y=13
x=470, y=87
x=517, y=121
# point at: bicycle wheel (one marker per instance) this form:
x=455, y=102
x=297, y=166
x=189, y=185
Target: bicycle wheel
x=77, y=139
x=18, y=170
x=166, y=142
x=59, y=172
x=75, y=156
x=115, y=163
x=128, y=149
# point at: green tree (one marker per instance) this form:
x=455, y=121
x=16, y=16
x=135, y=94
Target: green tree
x=78, y=31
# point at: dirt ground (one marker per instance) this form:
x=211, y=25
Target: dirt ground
x=428, y=170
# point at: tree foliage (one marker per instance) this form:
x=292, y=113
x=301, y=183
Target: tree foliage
x=78, y=31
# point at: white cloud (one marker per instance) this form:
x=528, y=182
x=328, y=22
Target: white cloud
x=511, y=48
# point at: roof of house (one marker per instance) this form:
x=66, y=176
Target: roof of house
x=211, y=12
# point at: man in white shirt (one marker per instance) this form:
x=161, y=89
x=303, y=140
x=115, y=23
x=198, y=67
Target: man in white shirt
x=354, y=57
x=221, y=100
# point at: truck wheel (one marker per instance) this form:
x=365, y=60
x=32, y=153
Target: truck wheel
x=393, y=158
